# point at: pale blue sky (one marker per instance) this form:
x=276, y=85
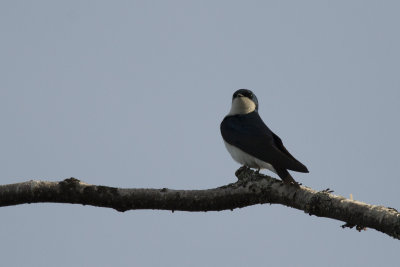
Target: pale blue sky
x=131, y=94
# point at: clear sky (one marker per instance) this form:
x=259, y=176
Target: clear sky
x=131, y=94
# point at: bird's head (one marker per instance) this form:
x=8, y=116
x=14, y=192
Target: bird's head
x=243, y=101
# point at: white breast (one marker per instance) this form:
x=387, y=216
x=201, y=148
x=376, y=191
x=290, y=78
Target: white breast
x=246, y=159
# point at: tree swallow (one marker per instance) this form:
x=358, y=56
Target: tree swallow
x=251, y=143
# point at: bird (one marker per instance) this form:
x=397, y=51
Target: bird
x=252, y=144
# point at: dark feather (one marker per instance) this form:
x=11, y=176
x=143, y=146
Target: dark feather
x=249, y=133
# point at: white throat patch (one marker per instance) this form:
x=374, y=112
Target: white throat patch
x=242, y=105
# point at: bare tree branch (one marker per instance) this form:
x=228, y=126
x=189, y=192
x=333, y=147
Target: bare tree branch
x=251, y=189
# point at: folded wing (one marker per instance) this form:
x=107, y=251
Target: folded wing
x=249, y=133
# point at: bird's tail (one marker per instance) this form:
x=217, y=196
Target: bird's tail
x=286, y=177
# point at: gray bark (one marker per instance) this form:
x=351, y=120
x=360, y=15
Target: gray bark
x=250, y=189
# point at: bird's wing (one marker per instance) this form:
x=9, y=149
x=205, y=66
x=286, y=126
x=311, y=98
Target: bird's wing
x=249, y=133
